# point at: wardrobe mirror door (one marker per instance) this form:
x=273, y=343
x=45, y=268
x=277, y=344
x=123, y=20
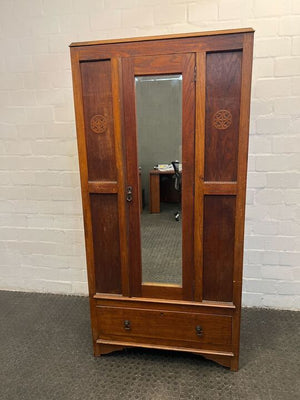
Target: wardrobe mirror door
x=159, y=136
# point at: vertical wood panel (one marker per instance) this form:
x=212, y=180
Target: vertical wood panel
x=241, y=193
x=132, y=173
x=218, y=247
x=188, y=174
x=199, y=173
x=82, y=154
x=97, y=100
x=223, y=91
x=104, y=210
x=120, y=164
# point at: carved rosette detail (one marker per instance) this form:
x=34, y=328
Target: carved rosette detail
x=98, y=123
x=222, y=119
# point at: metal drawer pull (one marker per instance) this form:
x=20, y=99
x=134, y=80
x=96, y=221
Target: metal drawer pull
x=199, y=330
x=127, y=325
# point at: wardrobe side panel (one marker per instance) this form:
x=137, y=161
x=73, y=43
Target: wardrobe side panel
x=223, y=92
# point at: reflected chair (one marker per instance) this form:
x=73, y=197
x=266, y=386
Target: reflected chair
x=177, y=184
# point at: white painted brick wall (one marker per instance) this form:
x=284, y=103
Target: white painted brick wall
x=41, y=235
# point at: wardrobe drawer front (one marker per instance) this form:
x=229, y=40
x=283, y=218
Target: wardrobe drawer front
x=211, y=331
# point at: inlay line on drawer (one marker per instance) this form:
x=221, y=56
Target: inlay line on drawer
x=103, y=187
x=215, y=188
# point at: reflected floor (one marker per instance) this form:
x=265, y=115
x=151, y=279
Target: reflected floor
x=161, y=245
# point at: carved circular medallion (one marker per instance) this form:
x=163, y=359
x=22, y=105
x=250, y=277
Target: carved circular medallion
x=98, y=123
x=222, y=119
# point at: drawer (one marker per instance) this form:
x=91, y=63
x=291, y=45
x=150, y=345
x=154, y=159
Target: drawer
x=203, y=331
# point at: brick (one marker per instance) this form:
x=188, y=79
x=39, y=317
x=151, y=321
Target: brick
x=11, y=81
x=206, y=10
x=260, y=286
x=252, y=271
x=60, y=131
x=265, y=228
x=31, y=131
x=74, y=23
x=17, y=147
x=282, y=179
x=234, y=9
x=289, y=25
x=287, y=66
x=8, y=131
x=264, y=27
x=296, y=46
x=275, y=272
x=279, y=243
x=50, y=62
x=267, y=8
x=272, y=163
x=282, y=144
x=23, y=98
x=295, y=126
x=269, y=196
x=292, y=196
x=50, y=97
x=33, y=45
x=169, y=14
x=57, y=7
x=256, y=180
x=263, y=67
x=13, y=115
x=65, y=113
x=289, y=288
x=289, y=228
x=251, y=299
x=261, y=107
x=37, y=80
x=260, y=144
x=272, y=125
x=280, y=302
x=269, y=88
x=59, y=43
x=39, y=114
x=281, y=212
x=123, y=4
x=80, y=288
x=296, y=86
x=272, y=47
x=141, y=16
x=290, y=106
x=44, y=25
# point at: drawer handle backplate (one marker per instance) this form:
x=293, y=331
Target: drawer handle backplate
x=199, y=330
x=127, y=325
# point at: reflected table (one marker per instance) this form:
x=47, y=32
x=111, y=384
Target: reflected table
x=154, y=180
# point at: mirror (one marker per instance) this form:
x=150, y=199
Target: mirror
x=159, y=136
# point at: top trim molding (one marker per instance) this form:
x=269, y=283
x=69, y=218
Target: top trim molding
x=164, y=37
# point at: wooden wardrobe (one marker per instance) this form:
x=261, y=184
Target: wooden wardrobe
x=184, y=97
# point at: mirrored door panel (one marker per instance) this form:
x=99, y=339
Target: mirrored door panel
x=160, y=170
x=159, y=139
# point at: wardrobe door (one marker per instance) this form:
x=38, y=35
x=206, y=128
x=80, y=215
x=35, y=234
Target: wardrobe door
x=159, y=116
x=223, y=102
x=97, y=105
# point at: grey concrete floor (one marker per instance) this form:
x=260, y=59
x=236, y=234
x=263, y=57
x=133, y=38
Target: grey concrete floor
x=46, y=353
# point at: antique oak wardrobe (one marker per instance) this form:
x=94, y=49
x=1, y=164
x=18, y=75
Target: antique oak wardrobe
x=154, y=281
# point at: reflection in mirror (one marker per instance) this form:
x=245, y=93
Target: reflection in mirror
x=159, y=127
